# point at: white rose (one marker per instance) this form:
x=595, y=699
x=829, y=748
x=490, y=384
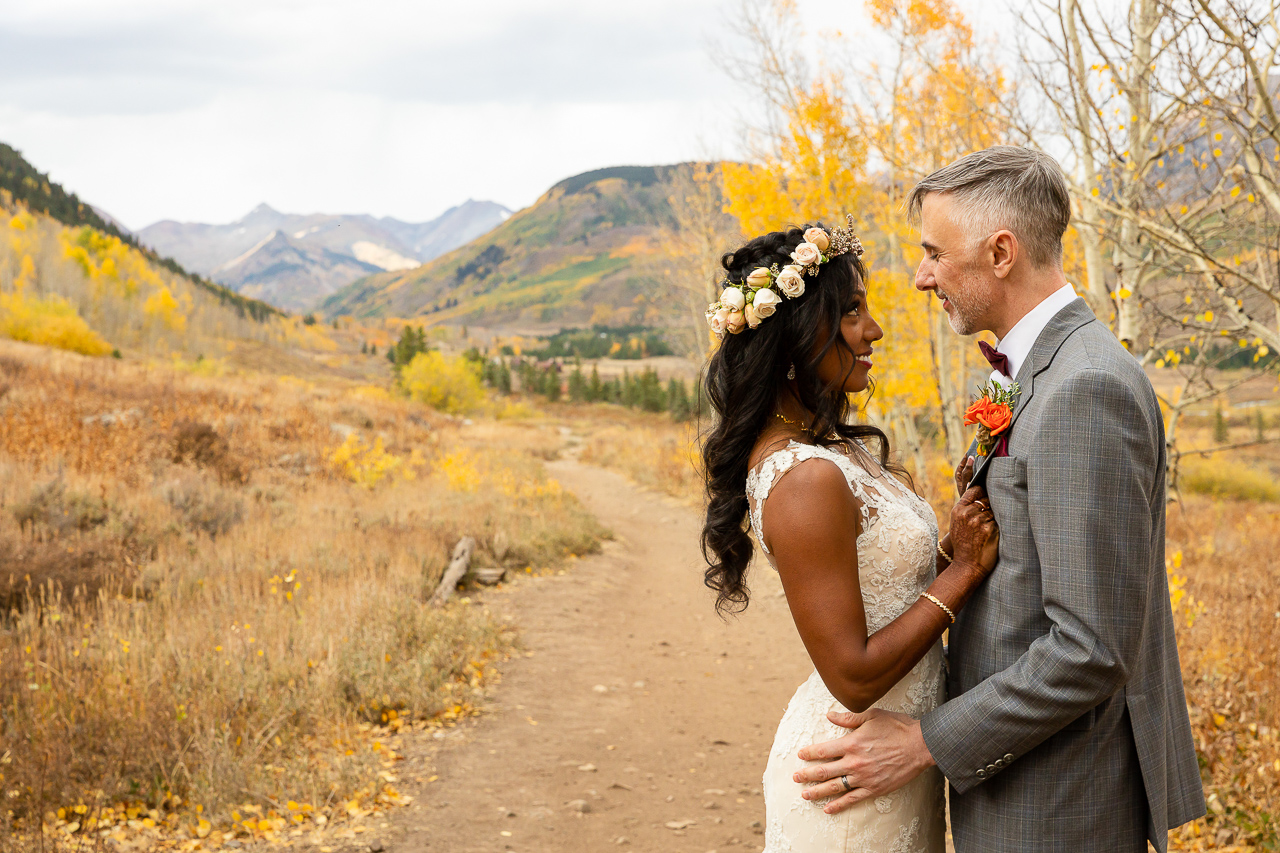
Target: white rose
x=790, y=281
x=817, y=237
x=766, y=302
x=753, y=319
x=806, y=254
x=735, y=322
x=733, y=298
x=718, y=320
x=760, y=277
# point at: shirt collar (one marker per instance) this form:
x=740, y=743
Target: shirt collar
x=1017, y=343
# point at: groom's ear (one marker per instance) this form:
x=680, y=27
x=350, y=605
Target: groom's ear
x=1004, y=249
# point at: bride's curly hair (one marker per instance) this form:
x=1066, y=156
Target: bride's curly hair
x=744, y=379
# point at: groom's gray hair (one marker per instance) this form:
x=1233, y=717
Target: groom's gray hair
x=1005, y=187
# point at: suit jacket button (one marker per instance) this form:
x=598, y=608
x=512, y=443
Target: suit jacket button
x=1008, y=758
x=991, y=768
x=982, y=774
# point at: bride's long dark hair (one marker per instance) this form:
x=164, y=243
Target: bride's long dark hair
x=745, y=378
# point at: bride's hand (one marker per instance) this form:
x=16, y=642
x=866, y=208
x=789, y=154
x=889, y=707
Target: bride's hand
x=975, y=537
x=964, y=474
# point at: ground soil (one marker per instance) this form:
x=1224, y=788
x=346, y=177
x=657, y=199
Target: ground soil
x=632, y=719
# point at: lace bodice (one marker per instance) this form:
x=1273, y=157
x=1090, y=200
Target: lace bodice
x=899, y=530
x=896, y=547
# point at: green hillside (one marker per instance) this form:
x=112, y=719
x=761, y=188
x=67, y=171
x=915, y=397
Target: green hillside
x=33, y=189
x=574, y=257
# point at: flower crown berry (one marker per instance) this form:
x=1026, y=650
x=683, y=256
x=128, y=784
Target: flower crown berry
x=746, y=304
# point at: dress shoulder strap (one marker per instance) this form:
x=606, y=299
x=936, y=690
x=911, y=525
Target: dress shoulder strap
x=762, y=478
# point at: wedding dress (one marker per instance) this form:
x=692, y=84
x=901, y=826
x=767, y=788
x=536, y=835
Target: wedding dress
x=896, y=551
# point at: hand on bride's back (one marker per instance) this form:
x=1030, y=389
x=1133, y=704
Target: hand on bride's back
x=975, y=537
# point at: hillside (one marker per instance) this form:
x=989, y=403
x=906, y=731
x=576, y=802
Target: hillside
x=294, y=260
x=571, y=258
x=22, y=184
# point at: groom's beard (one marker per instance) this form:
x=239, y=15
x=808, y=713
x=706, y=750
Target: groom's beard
x=969, y=304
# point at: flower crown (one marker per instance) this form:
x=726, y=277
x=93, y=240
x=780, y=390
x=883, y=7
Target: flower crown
x=744, y=305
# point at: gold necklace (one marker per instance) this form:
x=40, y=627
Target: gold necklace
x=787, y=420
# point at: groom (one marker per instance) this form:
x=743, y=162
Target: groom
x=1067, y=726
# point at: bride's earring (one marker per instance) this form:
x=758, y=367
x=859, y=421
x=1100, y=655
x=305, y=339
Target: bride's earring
x=791, y=372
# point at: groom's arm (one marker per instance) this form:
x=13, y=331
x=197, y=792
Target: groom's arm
x=1090, y=482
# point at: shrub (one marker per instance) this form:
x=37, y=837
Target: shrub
x=50, y=321
x=201, y=445
x=204, y=506
x=1222, y=479
x=450, y=385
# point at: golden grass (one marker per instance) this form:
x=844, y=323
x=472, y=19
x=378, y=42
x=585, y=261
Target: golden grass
x=1222, y=543
x=213, y=624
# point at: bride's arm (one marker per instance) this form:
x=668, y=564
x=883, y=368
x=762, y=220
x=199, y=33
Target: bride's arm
x=811, y=525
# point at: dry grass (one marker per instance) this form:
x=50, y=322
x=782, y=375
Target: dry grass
x=208, y=619
x=1222, y=544
x=649, y=448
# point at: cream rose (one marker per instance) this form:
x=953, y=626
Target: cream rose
x=806, y=254
x=735, y=322
x=766, y=302
x=733, y=298
x=759, y=277
x=718, y=320
x=790, y=281
x=817, y=237
x=753, y=319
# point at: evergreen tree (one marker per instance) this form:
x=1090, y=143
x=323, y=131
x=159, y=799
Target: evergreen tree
x=595, y=390
x=1221, y=434
x=504, y=378
x=551, y=383
x=578, y=385
x=651, y=396
x=678, y=400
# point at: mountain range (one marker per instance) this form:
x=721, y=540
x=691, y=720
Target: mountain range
x=574, y=257
x=294, y=260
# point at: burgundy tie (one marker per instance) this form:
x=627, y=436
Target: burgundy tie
x=998, y=360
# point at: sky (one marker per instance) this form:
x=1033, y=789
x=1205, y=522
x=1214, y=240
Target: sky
x=197, y=110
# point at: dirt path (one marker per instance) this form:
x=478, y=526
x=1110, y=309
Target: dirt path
x=637, y=720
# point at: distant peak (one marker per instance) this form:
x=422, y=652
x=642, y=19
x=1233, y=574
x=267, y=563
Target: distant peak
x=262, y=210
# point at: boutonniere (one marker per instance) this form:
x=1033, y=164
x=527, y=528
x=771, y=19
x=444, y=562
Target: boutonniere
x=992, y=412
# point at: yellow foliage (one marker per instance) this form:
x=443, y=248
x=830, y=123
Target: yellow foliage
x=367, y=465
x=51, y=321
x=162, y=306
x=450, y=385
x=460, y=470
x=817, y=173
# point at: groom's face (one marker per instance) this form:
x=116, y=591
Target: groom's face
x=952, y=267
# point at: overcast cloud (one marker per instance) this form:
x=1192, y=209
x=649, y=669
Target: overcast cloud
x=197, y=111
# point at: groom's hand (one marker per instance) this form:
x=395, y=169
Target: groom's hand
x=883, y=752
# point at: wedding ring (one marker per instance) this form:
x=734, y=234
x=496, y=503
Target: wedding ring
x=844, y=780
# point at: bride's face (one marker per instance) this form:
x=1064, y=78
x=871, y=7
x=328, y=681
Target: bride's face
x=859, y=331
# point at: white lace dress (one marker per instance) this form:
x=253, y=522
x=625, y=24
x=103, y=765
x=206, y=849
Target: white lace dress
x=895, y=564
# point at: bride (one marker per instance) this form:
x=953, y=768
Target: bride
x=870, y=588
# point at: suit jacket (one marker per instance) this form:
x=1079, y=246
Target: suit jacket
x=1068, y=727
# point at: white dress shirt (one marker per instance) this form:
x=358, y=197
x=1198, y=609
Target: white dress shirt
x=1017, y=344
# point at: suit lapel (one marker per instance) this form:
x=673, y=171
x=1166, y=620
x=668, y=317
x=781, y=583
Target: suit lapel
x=1051, y=338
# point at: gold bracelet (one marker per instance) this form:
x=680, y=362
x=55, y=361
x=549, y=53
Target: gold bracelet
x=945, y=608
x=944, y=554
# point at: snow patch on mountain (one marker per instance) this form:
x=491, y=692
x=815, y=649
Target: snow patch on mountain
x=381, y=256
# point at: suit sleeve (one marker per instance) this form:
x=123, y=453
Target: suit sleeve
x=1091, y=477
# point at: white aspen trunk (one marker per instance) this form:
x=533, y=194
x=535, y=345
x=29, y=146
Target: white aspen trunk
x=1095, y=284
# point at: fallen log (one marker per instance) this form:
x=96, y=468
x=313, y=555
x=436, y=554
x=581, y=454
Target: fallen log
x=458, y=566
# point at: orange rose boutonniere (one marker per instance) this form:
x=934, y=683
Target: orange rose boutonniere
x=992, y=412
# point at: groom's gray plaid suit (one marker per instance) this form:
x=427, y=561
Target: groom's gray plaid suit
x=1067, y=729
